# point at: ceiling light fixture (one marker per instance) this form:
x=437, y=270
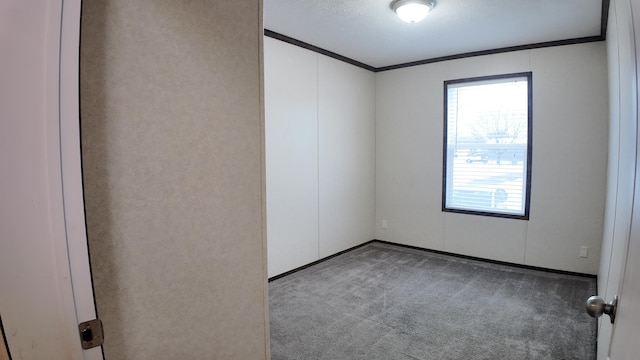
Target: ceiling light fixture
x=412, y=11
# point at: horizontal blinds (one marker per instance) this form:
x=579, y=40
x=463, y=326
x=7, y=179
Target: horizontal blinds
x=486, y=145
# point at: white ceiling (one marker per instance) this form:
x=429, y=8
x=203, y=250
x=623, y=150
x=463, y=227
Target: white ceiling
x=369, y=32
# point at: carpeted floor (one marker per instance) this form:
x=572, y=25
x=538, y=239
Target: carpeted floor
x=382, y=301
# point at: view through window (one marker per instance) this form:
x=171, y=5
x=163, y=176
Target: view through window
x=487, y=150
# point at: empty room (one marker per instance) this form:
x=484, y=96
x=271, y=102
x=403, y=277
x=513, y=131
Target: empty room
x=319, y=179
x=374, y=132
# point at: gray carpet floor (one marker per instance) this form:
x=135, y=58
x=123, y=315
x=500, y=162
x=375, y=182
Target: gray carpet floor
x=382, y=301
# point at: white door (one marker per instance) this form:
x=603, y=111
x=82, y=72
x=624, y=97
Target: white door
x=620, y=266
x=625, y=340
x=45, y=283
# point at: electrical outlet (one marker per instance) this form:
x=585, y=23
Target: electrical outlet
x=384, y=224
x=584, y=251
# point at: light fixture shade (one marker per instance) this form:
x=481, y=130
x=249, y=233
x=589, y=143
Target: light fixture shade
x=412, y=11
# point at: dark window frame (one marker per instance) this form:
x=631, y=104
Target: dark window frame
x=527, y=203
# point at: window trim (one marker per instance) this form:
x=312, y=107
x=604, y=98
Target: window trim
x=527, y=203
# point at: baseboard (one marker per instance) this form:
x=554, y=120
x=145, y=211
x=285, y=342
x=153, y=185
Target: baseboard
x=319, y=261
x=498, y=262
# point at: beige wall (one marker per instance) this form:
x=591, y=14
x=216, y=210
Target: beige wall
x=172, y=143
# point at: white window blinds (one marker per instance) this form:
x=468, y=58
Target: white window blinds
x=487, y=145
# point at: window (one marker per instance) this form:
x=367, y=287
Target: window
x=487, y=146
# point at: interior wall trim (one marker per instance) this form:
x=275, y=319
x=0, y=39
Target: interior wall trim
x=572, y=41
x=304, y=45
x=318, y=261
x=493, y=52
x=497, y=262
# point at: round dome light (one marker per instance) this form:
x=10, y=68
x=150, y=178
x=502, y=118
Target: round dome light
x=412, y=11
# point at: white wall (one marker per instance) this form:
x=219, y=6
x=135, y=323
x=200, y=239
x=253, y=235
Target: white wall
x=291, y=138
x=570, y=109
x=320, y=155
x=346, y=136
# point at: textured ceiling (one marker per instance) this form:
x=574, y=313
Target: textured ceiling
x=368, y=31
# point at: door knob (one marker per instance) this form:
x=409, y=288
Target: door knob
x=596, y=307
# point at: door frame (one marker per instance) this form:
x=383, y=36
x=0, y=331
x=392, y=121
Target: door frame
x=71, y=168
x=45, y=282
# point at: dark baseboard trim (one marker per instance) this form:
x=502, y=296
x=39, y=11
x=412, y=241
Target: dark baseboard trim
x=318, y=261
x=497, y=262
